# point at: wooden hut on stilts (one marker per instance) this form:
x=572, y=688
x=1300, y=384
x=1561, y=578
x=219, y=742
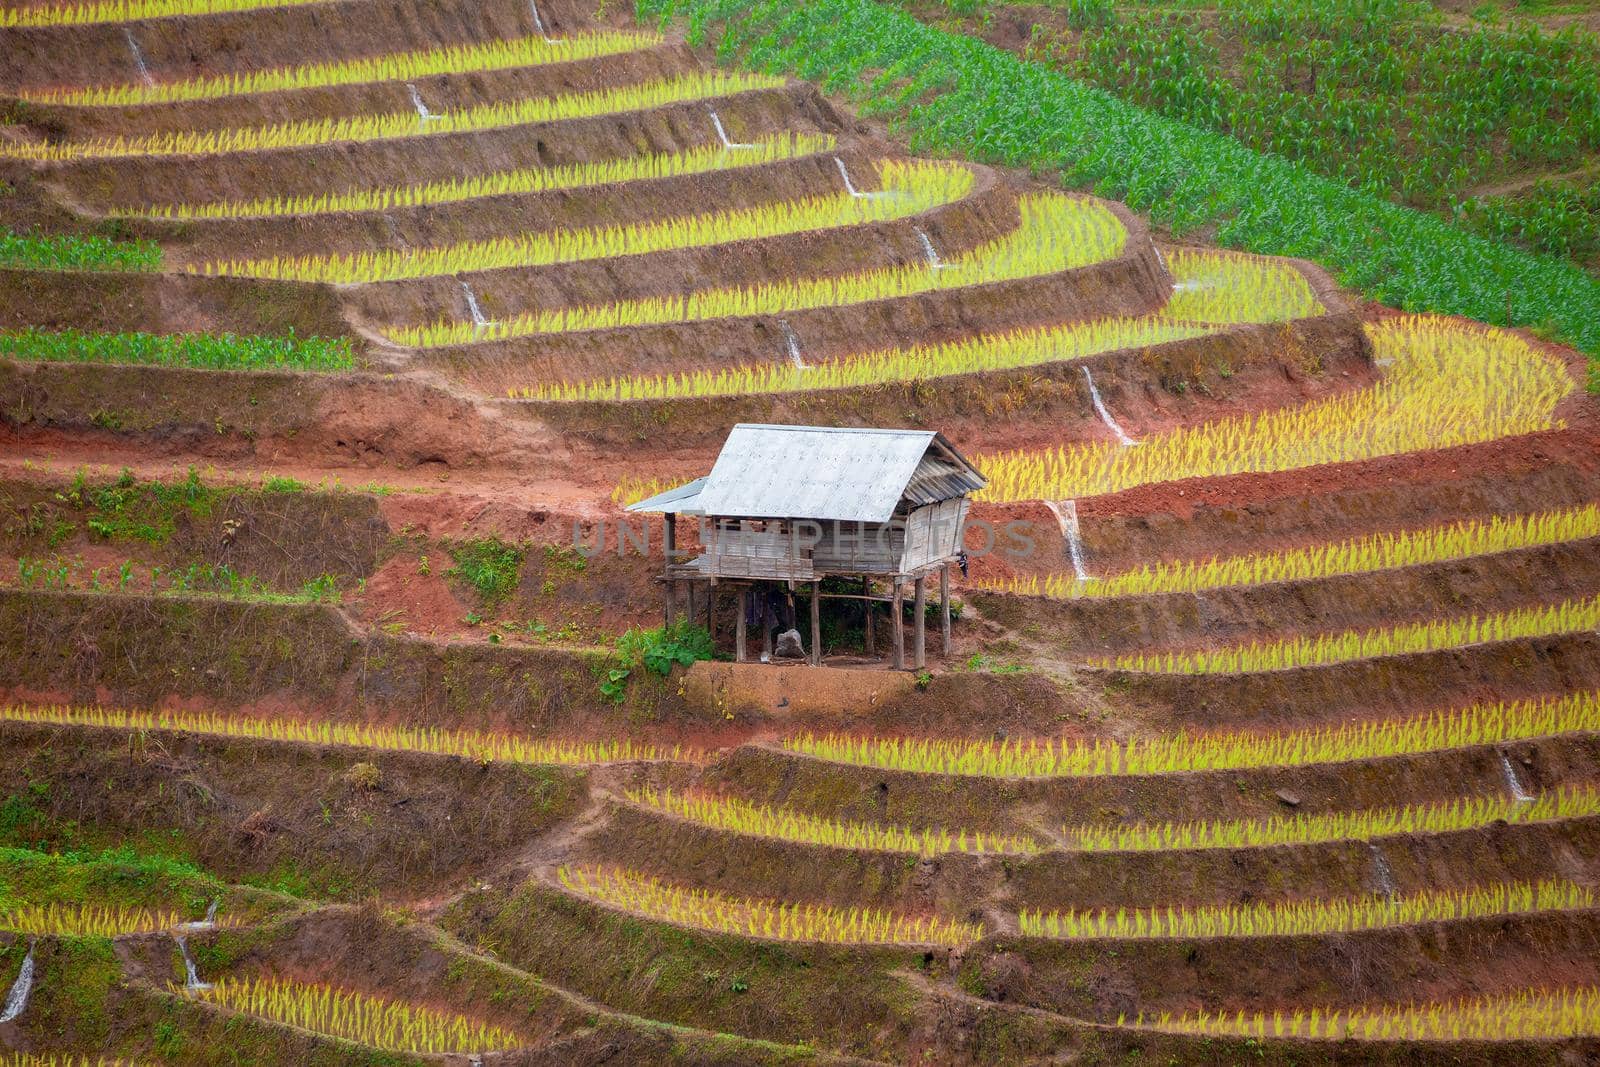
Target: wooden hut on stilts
x=787, y=506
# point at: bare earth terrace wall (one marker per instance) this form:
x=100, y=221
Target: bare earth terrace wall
x=319, y=169
x=1239, y=365
x=269, y=37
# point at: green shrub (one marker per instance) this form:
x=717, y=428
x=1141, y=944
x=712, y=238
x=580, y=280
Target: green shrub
x=656, y=650
x=489, y=565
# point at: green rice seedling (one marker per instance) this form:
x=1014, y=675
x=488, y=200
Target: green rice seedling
x=1229, y=287
x=1449, y=384
x=1308, y=917
x=1461, y=814
x=1182, y=753
x=36, y=251
x=468, y=744
x=972, y=355
x=756, y=820
x=87, y=920
x=632, y=490
x=1365, y=555
x=1530, y=1015
x=399, y=66
x=1056, y=233
x=84, y=14
x=309, y=133
x=702, y=909
x=1321, y=649
x=212, y=351
x=701, y=160
x=911, y=188
x=376, y=1022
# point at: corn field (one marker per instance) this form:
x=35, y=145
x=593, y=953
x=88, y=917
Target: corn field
x=1308, y=917
x=909, y=187
x=1479, y=724
x=1229, y=287
x=1449, y=384
x=1324, y=649
x=523, y=180
x=742, y=817
x=1530, y=1015
x=402, y=66
x=313, y=132
x=130, y=10
x=376, y=1022
x=466, y=744
x=1057, y=233
x=650, y=898
x=87, y=920
x=1462, y=814
x=1365, y=555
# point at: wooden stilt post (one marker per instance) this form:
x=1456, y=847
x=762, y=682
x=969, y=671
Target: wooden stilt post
x=944, y=609
x=919, y=623
x=872, y=617
x=671, y=612
x=738, y=625
x=897, y=626
x=766, y=637
x=816, y=623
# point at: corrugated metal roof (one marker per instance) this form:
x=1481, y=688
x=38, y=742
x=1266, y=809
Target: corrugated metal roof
x=680, y=500
x=819, y=472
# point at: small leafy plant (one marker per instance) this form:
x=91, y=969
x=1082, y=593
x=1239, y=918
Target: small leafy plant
x=657, y=650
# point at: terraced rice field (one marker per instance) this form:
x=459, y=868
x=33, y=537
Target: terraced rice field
x=340, y=721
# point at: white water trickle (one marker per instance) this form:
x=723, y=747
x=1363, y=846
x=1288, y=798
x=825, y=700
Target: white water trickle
x=208, y=923
x=1519, y=794
x=1105, y=416
x=1382, y=871
x=192, y=979
x=538, y=23
x=722, y=134
x=933, y=257
x=416, y=101
x=1066, y=513
x=138, y=57
x=478, y=321
x=17, y=999
x=792, y=343
x=850, y=186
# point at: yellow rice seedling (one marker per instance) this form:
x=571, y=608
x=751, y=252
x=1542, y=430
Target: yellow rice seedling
x=1308, y=917
x=467, y=744
x=88, y=920
x=1320, y=649
x=1235, y=288
x=1434, y=731
x=1450, y=384
x=1056, y=233
x=1461, y=814
x=312, y=132
x=130, y=10
x=702, y=160
x=742, y=817
x=1531, y=1015
x=910, y=188
x=376, y=1022
x=398, y=66
x=970, y=355
x=702, y=909
x=632, y=490
x=1365, y=555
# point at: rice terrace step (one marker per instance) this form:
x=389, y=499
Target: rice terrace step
x=866, y=531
